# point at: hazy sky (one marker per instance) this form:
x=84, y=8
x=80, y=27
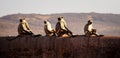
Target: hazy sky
x=58, y=6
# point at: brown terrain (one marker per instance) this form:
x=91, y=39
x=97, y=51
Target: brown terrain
x=57, y=47
x=107, y=24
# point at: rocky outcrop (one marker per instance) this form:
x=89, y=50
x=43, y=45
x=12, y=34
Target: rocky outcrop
x=57, y=47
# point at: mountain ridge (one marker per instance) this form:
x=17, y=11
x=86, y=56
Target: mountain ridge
x=105, y=23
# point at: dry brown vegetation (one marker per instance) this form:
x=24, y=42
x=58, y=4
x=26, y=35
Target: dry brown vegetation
x=56, y=47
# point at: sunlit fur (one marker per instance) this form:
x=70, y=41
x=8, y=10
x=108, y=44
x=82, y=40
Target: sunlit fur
x=61, y=27
x=23, y=27
x=88, y=29
x=48, y=29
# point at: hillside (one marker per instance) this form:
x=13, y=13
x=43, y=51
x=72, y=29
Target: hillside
x=107, y=24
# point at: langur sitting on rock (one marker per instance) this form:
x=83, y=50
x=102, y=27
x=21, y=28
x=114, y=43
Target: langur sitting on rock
x=61, y=28
x=23, y=28
x=88, y=29
x=48, y=29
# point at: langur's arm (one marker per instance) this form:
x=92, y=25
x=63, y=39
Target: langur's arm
x=27, y=26
x=68, y=30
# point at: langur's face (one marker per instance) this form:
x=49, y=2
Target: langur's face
x=89, y=22
x=59, y=19
x=20, y=20
x=45, y=22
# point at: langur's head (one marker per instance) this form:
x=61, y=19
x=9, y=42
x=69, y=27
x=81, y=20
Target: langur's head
x=60, y=18
x=22, y=20
x=45, y=22
x=89, y=22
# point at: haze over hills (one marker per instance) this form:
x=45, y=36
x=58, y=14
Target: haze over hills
x=107, y=24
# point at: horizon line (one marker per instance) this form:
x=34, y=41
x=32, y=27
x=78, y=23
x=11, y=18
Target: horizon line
x=57, y=13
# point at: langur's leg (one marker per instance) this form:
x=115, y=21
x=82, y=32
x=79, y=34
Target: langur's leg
x=94, y=32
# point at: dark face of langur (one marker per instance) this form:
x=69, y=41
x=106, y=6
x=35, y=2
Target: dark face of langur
x=59, y=19
x=45, y=22
x=89, y=22
x=21, y=20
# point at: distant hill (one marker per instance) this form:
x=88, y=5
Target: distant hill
x=107, y=24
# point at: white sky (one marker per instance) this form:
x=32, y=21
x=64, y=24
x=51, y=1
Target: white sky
x=58, y=6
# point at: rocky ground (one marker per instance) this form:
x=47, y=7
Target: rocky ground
x=58, y=47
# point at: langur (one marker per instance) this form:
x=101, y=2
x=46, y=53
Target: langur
x=88, y=29
x=48, y=29
x=23, y=28
x=61, y=28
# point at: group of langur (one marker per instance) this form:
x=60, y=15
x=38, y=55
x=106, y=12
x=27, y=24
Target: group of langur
x=60, y=28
